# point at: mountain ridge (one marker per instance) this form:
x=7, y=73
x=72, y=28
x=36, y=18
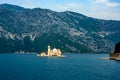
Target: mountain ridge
x=31, y=30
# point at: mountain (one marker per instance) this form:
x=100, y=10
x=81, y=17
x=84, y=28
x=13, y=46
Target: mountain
x=11, y=7
x=117, y=48
x=32, y=30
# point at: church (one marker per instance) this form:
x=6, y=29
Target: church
x=54, y=52
x=51, y=52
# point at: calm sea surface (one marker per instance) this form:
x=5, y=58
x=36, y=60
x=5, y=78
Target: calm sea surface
x=73, y=67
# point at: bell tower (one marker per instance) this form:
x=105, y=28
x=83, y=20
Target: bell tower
x=49, y=50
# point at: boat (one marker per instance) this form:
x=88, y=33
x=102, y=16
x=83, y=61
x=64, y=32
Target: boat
x=105, y=58
x=38, y=54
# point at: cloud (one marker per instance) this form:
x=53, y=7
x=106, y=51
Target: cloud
x=108, y=3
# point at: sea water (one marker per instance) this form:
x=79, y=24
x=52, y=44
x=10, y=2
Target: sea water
x=72, y=67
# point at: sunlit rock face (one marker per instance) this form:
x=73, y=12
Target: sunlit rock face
x=117, y=48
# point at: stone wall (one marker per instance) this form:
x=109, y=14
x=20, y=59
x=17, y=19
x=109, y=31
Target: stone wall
x=114, y=56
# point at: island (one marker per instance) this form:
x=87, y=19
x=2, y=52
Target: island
x=116, y=54
x=51, y=52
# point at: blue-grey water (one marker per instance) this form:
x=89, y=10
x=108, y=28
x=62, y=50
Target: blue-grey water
x=73, y=67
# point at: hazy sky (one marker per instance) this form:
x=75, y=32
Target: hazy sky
x=102, y=9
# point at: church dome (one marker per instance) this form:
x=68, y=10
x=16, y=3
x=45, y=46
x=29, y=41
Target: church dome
x=54, y=49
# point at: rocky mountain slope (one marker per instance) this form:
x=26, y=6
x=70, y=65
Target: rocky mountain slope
x=31, y=30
